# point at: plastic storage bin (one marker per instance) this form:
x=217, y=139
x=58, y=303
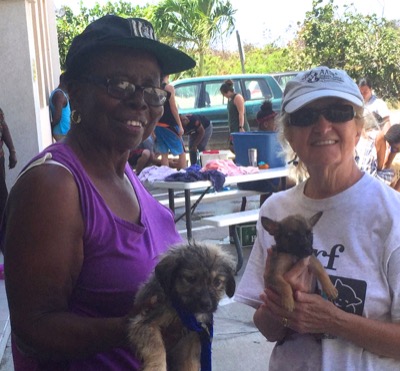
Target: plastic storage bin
x=268, y=148
x=206, y=156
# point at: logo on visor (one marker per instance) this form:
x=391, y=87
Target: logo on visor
x=323, y=75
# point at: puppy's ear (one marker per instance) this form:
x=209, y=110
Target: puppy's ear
x=165, y=271
x=271, y=226
x=230, y=286
x=314, y=219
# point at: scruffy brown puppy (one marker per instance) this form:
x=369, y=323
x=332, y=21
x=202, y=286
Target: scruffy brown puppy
x=184, y=290
x=294, y=241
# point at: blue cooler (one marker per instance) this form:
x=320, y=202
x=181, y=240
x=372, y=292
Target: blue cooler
x=267, y=144
x=269, y=150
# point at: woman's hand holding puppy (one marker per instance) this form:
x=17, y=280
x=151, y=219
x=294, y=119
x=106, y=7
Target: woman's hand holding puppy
x=312, y=313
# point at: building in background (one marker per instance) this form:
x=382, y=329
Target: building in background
x=29, y=71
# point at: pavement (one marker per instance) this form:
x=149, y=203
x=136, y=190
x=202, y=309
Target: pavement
x=237, y=344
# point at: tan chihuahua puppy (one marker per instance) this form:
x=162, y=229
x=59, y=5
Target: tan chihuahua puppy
x=294, y=241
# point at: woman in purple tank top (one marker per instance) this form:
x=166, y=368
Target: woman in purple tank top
x=80, y=233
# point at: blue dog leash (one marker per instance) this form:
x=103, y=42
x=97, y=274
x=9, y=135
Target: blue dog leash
x=204, y=330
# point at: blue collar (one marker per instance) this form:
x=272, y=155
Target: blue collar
x=204, y=330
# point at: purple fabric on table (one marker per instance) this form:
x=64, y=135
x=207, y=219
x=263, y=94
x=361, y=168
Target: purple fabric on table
x=193, y=174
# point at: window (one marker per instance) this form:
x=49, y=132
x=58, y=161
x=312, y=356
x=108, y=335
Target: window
x=213, y=94
x=257, y=89
x=186, y=96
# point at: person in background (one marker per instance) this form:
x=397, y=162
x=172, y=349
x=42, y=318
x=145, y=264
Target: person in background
x=5, y=137
x=371, y=148
x=143, y=155
x=388, y=147
x=81, y=234
x=266, y=117
x=357, y=239
x=236, y=110
x=199, y=128
x=60, y=111
x=371, y=156
x=169, y=130
x=375, y=105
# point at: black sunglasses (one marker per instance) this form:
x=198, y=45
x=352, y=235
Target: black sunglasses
x=122, y=89
x=335, y=113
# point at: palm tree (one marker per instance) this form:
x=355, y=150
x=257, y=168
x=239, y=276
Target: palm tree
x=193, y=24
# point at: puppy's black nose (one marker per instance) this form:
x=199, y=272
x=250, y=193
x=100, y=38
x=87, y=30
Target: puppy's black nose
x=206, y=303
x=303, y=250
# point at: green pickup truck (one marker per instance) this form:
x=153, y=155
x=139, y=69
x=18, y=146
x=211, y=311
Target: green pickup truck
x=201, y=95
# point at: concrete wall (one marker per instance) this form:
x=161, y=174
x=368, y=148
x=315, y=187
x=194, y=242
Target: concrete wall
x=29, y=70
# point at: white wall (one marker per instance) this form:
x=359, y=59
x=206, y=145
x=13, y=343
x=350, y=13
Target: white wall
x=29, y=69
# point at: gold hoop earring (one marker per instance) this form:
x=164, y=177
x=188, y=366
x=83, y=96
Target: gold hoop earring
x=76, y=117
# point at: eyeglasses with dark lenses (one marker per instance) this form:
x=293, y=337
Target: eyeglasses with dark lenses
x=122, y=89
x=335, y=113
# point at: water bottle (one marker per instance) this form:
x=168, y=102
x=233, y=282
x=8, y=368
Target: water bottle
x=252, y=152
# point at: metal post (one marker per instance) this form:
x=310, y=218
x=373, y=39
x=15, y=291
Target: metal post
x=241, y=52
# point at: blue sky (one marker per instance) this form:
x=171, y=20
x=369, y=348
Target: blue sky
x=261, y=22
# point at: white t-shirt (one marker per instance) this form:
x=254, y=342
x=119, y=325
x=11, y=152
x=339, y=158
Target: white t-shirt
x=378, y=107
x=357, y=240
x=366, y=156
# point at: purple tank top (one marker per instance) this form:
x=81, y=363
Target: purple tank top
x=118, y=256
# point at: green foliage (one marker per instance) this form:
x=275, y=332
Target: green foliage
x=365, y=46
x=193, y=24
x=221, y=63
x=267, y=60
x=68, y=27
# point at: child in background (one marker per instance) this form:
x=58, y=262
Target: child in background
x=266, y=117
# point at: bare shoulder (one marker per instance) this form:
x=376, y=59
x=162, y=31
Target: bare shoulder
x=45, y=198
x=44, y=219
x=48, y=182
x=239, y=98
x=169, y=88
x=58, y=96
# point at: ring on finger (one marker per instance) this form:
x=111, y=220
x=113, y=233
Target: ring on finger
x=285, y=322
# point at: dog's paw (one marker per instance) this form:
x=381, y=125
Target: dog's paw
x=331, y=292
x=288, y=303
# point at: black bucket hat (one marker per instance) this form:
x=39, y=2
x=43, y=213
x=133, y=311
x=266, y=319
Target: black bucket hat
x=135, y=33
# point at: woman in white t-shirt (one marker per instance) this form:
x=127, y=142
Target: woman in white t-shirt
x=357, y=240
